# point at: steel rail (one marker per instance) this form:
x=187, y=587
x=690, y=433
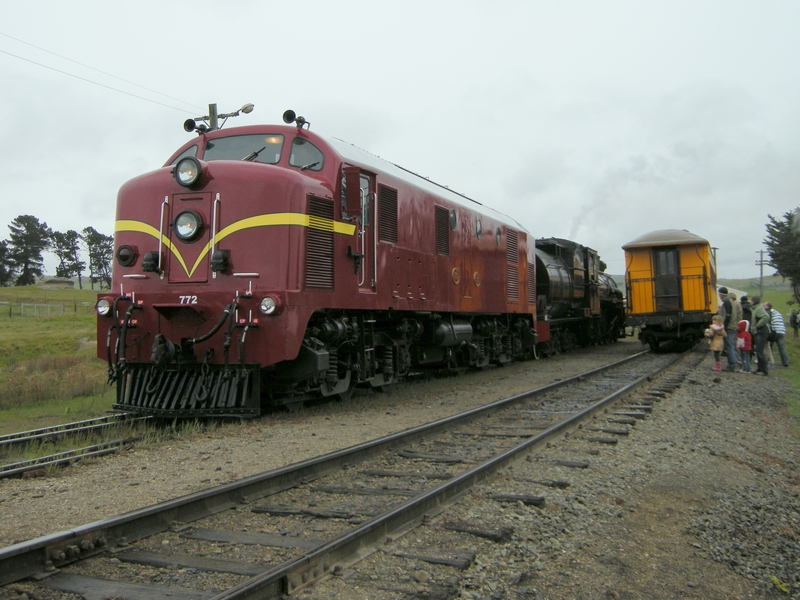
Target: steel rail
x=56, y=431
x=30, y=557
x=353, y=545
x=65, y=458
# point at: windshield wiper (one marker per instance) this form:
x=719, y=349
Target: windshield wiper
x=309, y=165
x=253, y=154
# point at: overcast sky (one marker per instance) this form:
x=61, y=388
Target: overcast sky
x=593, y=121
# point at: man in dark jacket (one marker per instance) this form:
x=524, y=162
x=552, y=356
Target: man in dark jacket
x=759, y=329
x=728, y=314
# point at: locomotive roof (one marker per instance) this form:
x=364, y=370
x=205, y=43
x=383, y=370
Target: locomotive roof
x=357, y=156
x=352, y=153
x=665, y=237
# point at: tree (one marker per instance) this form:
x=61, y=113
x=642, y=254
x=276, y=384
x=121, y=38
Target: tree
x=783, y=246
x=6, y=268
x=66, y=246
x=101, y=252
x=28, y=240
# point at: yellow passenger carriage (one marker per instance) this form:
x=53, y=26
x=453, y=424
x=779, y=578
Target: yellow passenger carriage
x=670, y=283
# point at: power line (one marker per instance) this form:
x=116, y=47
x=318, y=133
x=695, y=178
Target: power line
x=93, y=69
x=183, y=110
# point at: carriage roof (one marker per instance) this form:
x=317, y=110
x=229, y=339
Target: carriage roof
x=665, y=237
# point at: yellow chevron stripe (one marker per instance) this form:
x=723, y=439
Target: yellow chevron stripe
x=267, y=220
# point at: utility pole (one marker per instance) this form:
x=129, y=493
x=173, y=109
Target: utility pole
x=761, y=262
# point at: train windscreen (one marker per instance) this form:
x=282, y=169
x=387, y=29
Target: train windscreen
x=256, y=148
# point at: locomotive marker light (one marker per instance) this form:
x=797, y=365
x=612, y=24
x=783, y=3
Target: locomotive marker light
x=211, y=120
x=268, y=305
x=103, y=307
x=126, y=255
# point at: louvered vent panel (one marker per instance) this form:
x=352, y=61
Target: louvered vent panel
x=511, y=247
x=512, y=276
x=442, y=231
x=319, y=244
x=387, y=217
x=531, y=284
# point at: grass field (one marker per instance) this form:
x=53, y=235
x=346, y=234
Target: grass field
x=48, y=370
x=49, y=373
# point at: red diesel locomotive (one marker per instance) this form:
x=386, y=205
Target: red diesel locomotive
x=269, y=265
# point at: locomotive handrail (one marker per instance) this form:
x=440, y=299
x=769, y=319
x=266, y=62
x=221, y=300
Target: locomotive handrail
x=161, y=235
x=362, y=234
x=375, y=241
x=214, y=229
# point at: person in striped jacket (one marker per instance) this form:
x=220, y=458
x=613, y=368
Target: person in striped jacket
x=779, y=327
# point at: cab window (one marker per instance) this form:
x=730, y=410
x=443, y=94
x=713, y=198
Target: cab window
x=305, y=155
x=190, y=151
x=263, y=148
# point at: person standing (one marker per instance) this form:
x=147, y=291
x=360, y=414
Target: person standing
x=793, y=321
x=732, y=330
x=745, y=345
x=728, y=314
x=779, y=331
x=759, y=328
x=716, y=336
x=746, y=312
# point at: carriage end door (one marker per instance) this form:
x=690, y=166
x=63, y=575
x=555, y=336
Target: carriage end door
x=666, y=270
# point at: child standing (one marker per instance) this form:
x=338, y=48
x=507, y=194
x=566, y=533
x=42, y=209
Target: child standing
x=744, y=345
x=716, y=334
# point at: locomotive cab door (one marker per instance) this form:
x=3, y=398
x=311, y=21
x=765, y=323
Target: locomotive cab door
x=666, y=272
x=361, y=196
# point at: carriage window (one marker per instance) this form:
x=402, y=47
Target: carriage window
x=256, y=148
x=666, y=262
x=305, y=155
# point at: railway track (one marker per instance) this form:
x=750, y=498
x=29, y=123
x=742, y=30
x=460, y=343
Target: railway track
x=98, y=430
x=281, y=531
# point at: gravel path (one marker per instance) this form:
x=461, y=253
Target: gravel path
x=702, y=501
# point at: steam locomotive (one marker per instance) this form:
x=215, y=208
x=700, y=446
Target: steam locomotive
x=267, y=265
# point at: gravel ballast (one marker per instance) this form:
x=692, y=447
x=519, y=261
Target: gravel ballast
x=702, y=500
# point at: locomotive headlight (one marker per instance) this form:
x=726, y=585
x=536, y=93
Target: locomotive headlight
x=188, y=225
x=103, y=307
x=188, y=171
x=268, y=305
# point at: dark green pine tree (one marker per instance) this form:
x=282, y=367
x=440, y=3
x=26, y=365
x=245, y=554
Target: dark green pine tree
x=783, y=246
x=67, y=247
x=28, y=240
x=101, y=252
x=6, y=268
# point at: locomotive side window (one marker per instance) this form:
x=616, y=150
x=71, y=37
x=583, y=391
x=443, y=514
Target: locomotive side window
x=305, y=155
x=365, y=213
x=478, y=228
x=256, y=148
x=190, y=151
